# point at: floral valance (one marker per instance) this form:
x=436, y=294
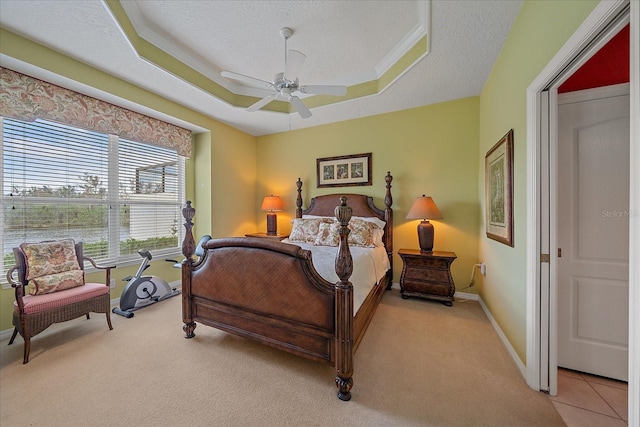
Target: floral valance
x=26, y=98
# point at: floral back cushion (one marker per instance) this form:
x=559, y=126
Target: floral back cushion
x=52, y=266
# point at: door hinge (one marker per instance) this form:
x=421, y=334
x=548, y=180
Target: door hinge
x=559, y=252
x=545, y=258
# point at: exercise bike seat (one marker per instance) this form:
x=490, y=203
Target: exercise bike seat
x=199, y=250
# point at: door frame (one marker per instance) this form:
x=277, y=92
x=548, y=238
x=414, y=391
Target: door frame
x=541, y=320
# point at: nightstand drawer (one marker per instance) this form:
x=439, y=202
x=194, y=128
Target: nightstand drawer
x=417, y=274
x=427, y=288
x=430, y=263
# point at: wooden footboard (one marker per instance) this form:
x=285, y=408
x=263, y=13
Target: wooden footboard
x=270, y=291
x=267, y=291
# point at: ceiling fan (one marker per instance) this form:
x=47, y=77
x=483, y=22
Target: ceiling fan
x=285, y=84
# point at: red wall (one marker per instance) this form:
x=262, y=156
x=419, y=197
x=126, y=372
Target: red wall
x=609, y=66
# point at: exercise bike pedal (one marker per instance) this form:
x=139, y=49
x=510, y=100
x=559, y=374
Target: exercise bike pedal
x=124, y=313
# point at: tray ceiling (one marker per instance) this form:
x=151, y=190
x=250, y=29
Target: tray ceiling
x=392, y=55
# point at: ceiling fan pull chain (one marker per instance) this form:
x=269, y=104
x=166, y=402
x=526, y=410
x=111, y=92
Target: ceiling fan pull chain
x=286, y=39
x=286, y=32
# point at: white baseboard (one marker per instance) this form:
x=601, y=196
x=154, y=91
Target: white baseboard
x=467, y=295
x=6, y=334
x=505, y=341
x=501, y=335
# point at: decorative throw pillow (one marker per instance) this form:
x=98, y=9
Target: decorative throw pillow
x=324, y=218
x=361, y=233
x=47, y=261
x=378, y=234
x=377, y=221
x=306, y=229
x=327, y=234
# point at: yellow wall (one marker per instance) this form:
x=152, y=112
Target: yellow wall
x=539, y=32
x=429, y=150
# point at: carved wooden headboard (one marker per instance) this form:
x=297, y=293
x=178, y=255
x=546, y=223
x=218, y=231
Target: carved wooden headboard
x=360, y=204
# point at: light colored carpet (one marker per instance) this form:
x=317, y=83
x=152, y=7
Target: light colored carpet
x=420, y=363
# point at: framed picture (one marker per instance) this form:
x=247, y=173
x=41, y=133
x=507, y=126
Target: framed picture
x=344, y=171
x=498, y=190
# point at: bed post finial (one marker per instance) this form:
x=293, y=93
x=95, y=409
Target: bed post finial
x=344, y=305
x=188, y=244
x=299, y=199
x=388, y=200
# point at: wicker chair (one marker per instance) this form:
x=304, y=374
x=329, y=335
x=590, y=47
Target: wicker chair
x=32, y=314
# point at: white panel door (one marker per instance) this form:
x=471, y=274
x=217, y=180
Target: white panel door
x=593, y=235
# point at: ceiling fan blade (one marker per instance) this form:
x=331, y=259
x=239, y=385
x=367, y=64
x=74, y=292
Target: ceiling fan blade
x=252, y=81
x=300, y=107
x=264, y=101
x=294, y=63
x=324, y=90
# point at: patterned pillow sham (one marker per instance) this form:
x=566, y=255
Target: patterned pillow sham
x=306, y=229
x=377, y=221
x=363, y=233
x=378, y=234
x=327, y=234
x=47, y=262
x=360, y=238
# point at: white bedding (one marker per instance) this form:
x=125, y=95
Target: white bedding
x=369, y=266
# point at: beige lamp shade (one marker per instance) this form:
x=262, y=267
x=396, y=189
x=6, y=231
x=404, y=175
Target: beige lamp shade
x=425, y=208
x=272, y=203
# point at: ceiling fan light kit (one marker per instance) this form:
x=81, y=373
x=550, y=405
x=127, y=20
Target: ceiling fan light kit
x=284, y=87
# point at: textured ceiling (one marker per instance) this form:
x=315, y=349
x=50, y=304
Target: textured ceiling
x=359, y=44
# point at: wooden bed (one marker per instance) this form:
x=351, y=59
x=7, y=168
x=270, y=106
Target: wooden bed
x=269, y=291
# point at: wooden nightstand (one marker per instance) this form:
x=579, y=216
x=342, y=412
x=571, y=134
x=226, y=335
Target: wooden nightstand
x=427, y=275
x=268, y=236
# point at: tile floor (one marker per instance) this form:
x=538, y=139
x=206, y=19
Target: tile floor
x=586, y=400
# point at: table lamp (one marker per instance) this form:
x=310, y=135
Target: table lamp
x=272, y=203
x=424, y=208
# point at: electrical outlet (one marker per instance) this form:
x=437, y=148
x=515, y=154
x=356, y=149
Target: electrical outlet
x=483, y=269
x=112, y=283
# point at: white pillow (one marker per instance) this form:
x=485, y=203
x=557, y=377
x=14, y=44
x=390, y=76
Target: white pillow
x=332, y=218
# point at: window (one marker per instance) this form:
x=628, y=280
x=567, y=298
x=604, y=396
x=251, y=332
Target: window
x=115, y=195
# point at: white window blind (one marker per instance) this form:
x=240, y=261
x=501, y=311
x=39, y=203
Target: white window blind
x=114, y=195
x=150, y=196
